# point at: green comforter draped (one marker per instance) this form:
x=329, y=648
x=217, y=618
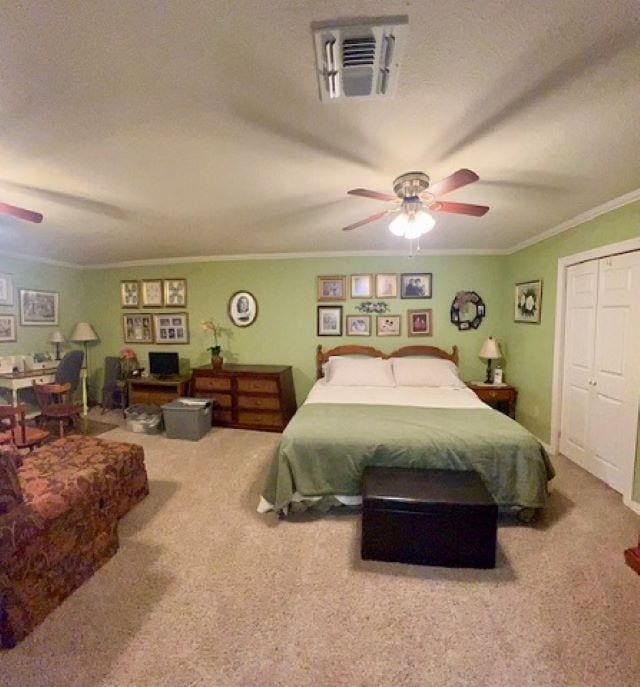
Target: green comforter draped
x=326, y=447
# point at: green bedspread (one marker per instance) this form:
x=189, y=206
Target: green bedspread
x=326, y=447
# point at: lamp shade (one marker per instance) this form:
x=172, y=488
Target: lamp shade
x=57, y=337
x=84, y=332
x=490, y=350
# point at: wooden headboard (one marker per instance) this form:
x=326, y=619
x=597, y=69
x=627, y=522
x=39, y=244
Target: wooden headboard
x=428, y=351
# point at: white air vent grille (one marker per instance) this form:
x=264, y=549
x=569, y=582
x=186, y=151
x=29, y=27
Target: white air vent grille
x=359, y=60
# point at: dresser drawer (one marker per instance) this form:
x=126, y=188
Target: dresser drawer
x=212, y=383
x=265, y=386
x=222, y=417
x=261, y=402
x=496, y=395
x=219, y=400
x=260, y=419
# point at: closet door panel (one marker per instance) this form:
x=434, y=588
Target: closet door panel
x=579, y=348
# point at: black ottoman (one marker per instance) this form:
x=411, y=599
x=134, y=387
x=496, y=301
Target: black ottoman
x=428, y=517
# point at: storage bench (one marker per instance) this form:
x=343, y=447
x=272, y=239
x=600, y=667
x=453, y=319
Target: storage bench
x=428, y=517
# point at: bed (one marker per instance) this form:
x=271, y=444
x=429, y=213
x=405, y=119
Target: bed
x=404, y=409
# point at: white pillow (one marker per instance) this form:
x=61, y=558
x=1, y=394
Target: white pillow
x=359, y=372
x=425, y=372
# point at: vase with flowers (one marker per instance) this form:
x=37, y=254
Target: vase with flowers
x=128, y=363
x=216, y=349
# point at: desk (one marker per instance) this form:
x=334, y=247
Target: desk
x=154, y=391
x=15, y=381
x=24, y=380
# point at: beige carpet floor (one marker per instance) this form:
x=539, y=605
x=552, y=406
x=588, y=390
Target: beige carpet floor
x=206, y=592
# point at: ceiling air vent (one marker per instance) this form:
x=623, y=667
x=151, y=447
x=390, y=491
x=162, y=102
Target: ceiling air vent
x=359, y=60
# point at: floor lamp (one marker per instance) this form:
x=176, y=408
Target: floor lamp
x=83, y=333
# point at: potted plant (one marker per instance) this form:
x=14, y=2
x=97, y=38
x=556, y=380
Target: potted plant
x=216, y=349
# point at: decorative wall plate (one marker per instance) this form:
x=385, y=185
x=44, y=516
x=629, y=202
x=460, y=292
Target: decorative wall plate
x=370, y=307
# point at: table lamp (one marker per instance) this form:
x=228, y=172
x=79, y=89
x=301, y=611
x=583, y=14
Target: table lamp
x=490, y=351
x=83, y=333
x=56, y=339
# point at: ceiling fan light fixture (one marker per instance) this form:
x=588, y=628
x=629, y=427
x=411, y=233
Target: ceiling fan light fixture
x=412, y=226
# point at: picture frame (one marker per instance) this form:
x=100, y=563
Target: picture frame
x=358, y=325
x=420, y=322
x=527, y=305
x=151, y=293
x=6, y=288
x=467, y=310
x=386, y=285
x=8, y=328
x=242, y=308
x=171, y=328
x=331, y=287
x=388, y=325
x=38, y=308
x=175, y=293
x=137, y=328
x=329, y=320
x=129, y=293
x=361, y=286
x=416, y=285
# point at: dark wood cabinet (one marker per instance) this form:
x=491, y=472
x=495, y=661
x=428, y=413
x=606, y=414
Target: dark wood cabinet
x=154, y=391
x=247, y=396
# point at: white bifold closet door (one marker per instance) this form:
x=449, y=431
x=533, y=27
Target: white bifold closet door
x=601, y=384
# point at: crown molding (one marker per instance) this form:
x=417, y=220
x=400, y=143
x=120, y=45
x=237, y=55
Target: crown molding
x=583, y=217
x=295, y=256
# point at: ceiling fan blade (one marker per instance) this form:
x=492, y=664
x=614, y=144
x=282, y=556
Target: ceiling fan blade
x=458, y=179
x=362, y=222
x=367, y=193
x=21, y=213
x=459, y=208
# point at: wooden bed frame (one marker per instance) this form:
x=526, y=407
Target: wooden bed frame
x=429, y=351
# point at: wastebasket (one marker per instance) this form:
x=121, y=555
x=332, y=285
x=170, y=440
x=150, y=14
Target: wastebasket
x=144, y=419
x=187, y=418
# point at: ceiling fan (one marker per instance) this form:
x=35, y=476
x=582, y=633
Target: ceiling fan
x=20, y=213
x=414, y=196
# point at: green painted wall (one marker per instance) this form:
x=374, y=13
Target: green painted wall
x=530, y=346
x=68, y=282
x=285, y=330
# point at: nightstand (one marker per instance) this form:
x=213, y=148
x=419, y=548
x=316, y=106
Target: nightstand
x=502, y=397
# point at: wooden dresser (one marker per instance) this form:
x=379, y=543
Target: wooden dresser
x=248, y=396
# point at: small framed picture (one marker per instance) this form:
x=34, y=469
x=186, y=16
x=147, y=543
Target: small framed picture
x=7, y=328
x=129, y=294
x=528, y=302
x=386, y=286
x=332, y=288
x=329, y=320
x=175, y=293
x=415, y=285
x=358, y=325
x=243, y=308
x=361, y=286
x=171, y=328
x=137, y=328
x=419, y=322
x=6, y=289
x=152, y=293
x=388, y=325
x=38, y=308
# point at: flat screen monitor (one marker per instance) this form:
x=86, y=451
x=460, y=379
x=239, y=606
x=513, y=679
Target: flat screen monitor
x=164, y=364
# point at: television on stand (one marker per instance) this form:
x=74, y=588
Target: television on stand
x=164, y=365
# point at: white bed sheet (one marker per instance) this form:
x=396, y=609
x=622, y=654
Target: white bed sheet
x=421, y=396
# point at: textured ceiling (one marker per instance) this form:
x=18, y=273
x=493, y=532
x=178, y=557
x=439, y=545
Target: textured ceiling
x=161, y=129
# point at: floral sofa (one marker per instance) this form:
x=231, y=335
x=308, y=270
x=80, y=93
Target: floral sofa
x=59, y=512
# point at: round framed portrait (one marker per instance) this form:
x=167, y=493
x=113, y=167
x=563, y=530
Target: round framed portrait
x=243, y=308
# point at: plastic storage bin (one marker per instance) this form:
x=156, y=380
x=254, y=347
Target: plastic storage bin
x=144, y=419
x=187, y=418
